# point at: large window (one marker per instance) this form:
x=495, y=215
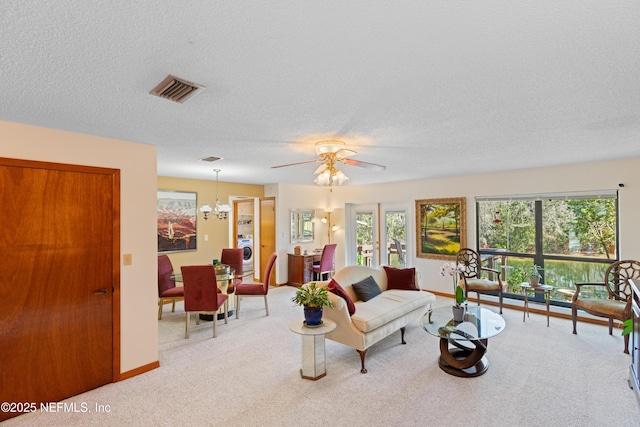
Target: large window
x=573, y=237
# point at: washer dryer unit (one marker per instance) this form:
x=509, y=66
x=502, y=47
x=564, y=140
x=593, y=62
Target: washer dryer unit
x=247, y=246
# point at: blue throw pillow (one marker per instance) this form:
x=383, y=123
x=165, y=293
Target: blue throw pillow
x=366, y=289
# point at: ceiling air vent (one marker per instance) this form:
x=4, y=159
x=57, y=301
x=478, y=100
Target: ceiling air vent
x=210, y=159
x=176, y=89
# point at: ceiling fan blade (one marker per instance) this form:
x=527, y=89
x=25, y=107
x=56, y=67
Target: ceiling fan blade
x=360, y=163
x=320, y=169
x=344, y=152
x=297, y=163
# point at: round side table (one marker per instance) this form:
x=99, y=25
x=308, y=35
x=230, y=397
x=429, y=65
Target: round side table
x=314, y=359
x=543, y=289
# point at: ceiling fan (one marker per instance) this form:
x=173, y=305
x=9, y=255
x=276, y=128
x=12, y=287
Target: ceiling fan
x=331, y=152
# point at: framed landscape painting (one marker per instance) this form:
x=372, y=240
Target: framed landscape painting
x=177, y=215
x=440, y=227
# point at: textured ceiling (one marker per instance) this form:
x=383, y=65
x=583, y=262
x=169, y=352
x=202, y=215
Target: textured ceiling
x=427, y=87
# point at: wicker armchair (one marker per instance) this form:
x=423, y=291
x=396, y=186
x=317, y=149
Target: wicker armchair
x=618, y=305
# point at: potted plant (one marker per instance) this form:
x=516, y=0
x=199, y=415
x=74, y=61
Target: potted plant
x=455, y=270
x=312, y=298
x=458, y=308
x=535, y=276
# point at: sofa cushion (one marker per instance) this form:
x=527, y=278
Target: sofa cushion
x=387, y=307
x=335, y=288
x=366, y=289
x=401, y=278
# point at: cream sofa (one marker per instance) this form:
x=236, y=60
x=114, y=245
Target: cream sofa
x=374, y=319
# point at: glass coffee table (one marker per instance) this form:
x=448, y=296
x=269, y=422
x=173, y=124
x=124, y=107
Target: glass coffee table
x=463, y=344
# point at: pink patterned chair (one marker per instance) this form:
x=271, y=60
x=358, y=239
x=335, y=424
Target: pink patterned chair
x=201, y=294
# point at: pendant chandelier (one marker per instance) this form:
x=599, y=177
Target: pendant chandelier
x=221, y=211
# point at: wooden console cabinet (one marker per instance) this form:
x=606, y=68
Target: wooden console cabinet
x=300, y=268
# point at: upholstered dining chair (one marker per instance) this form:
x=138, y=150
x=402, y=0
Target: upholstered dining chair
x=618, y=303
x=234, y=258
x=166, y=285
x=256, y=289
x=201, y=294
x=325, y=265
x=471, y=275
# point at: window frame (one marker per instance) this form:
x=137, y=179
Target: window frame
x=538, y=256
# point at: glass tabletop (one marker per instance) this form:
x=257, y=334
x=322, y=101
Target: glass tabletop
x=221, y=275
x=479, y=323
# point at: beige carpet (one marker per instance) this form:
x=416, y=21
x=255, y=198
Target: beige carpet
x=249, y=376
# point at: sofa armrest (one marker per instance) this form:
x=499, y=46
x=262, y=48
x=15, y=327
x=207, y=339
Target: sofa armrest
x=345, y=332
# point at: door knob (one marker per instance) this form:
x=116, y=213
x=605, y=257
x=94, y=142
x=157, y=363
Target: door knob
x=101, y=292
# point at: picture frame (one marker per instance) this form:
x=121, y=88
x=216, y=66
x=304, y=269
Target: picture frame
x=440, y=227
x=177, y=217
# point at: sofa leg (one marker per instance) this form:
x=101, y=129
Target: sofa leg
x=402, y=335
x=362, y=354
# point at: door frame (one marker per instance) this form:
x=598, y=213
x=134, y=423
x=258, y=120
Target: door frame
x=267, y=229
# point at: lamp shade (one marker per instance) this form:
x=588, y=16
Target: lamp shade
x=224, y=208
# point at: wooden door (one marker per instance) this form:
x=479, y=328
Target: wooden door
x=267, y=232
x=60, y=269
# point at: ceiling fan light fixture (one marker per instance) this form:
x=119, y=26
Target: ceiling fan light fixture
x=331, y=177
x=323, y=178
x=330, y=153
x=340, y=178
x=329, y=146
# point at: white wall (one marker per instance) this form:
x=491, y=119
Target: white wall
x=580, y=177
x=137, y=163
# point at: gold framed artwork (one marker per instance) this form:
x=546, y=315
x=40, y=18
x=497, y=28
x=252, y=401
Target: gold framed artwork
x=440, y=227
